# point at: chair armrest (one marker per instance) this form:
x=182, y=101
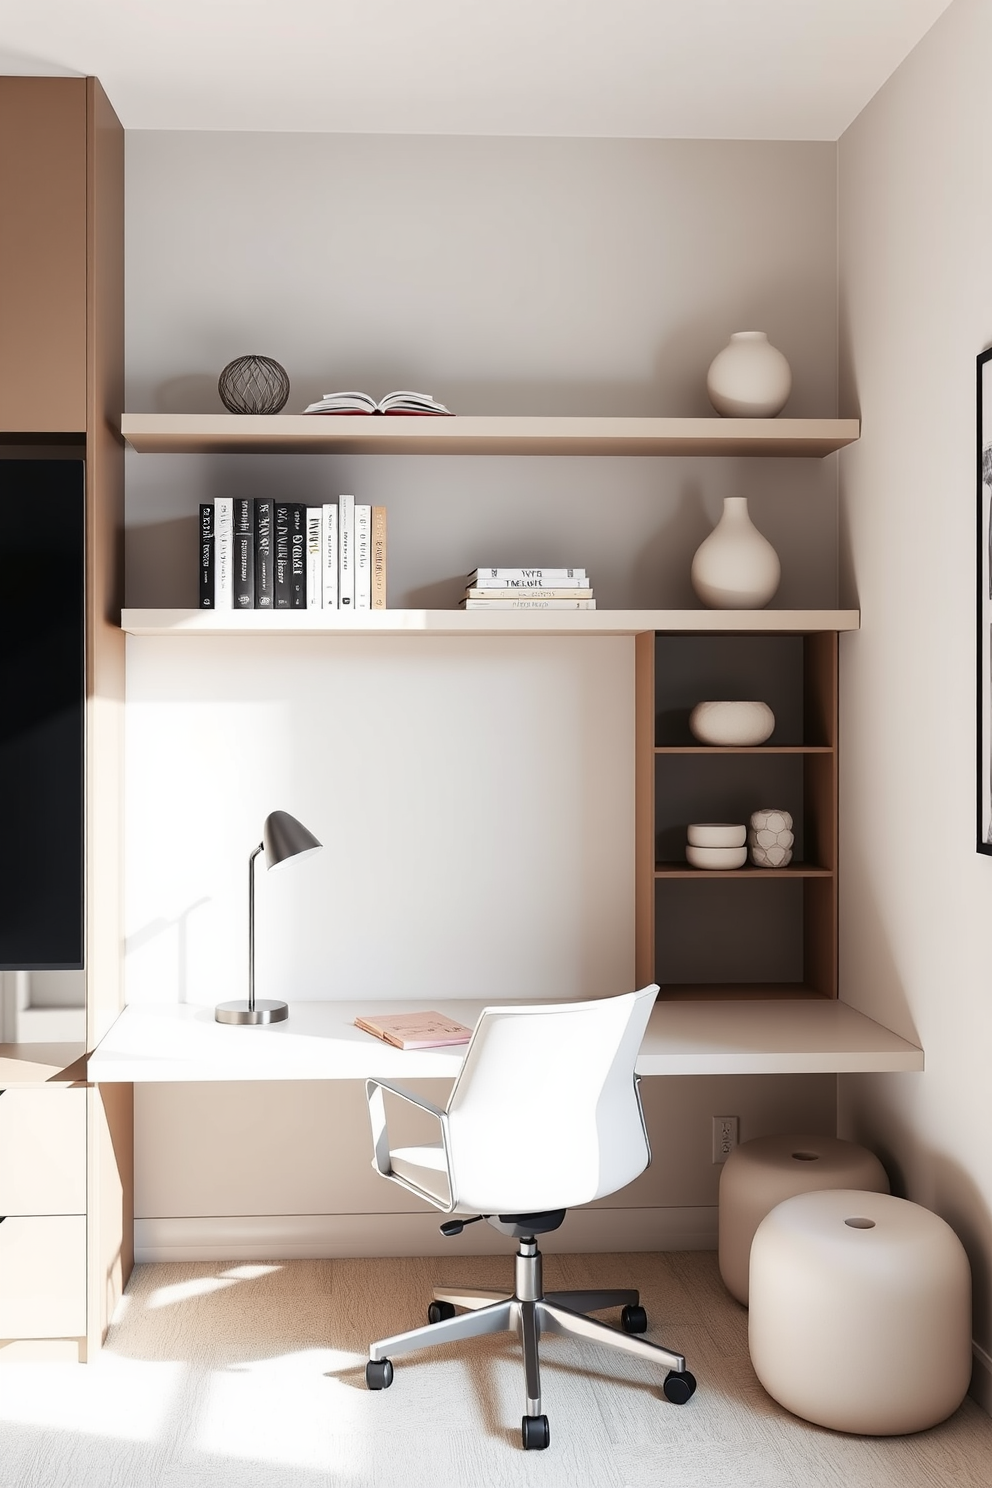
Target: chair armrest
x=380, y=1136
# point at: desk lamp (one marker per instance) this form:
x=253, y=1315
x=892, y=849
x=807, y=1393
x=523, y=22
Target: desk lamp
x=283, y=837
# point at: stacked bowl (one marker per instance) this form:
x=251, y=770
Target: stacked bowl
x=716, y=845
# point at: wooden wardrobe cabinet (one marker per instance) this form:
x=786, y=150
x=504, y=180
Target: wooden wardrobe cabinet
x=65, y=1147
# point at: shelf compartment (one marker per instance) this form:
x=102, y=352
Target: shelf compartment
x=739, y=992
x=466, y=434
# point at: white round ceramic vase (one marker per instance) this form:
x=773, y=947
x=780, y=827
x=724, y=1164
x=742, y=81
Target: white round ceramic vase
x=749, y=378
x=735, y=568
x=744, y=723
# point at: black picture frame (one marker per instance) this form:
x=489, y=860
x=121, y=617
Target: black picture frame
x=984, y=607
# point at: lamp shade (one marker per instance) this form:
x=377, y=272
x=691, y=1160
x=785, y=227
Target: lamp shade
x=284, y=837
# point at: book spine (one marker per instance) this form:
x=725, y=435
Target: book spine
x=330, y=556
x=513, y=586
x=244, y=553
x=363, y=556
x=206, y=555
x=346, y=552
x=528, y=604
x=263, y=553
x=541, y=575
x=492, y=596
x=298, y=555
x=282, y=589
x=378, y=557
x=224, y=553
x=315, y=552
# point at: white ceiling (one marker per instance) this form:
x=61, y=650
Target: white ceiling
x=707, y=69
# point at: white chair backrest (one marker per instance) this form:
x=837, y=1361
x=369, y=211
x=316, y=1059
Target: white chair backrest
x=544, y=1113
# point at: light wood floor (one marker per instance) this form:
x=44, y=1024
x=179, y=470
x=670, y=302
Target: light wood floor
x=252, y=1376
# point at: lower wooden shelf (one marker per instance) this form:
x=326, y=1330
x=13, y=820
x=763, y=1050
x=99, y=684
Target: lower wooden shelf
x=794, y=870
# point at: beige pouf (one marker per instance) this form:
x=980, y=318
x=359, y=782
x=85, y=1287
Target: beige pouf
x=761, y=1173
x=860, y=1313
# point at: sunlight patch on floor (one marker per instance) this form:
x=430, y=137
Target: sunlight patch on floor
x=128, y=1399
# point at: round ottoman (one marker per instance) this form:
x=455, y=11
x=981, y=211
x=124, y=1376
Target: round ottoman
x=860, y=1312
x=761, y=1173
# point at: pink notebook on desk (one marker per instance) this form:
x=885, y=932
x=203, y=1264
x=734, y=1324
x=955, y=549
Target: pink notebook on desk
x=415, y=1030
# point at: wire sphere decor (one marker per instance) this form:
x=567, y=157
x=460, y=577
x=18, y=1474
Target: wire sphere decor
x=253, y=384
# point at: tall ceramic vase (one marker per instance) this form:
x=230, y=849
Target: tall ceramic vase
x=735, y=568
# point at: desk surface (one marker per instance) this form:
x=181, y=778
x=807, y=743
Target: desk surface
x=319, y=1042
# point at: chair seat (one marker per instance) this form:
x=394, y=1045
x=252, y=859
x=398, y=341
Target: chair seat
x=424, y=1166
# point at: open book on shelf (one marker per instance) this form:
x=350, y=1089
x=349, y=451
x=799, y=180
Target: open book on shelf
x=415, y=1030
x=405, y=402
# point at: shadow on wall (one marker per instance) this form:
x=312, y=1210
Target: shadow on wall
x=957, y=1199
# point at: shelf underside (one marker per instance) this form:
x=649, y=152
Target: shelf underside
x=209, y=433
x=475, y=622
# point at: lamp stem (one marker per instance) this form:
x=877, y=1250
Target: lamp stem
x=251, y=927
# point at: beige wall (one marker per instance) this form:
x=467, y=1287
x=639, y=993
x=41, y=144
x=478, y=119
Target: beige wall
x=502, y=275
x=916, y=900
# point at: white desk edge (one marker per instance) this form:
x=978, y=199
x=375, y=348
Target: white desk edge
x=319, y=1042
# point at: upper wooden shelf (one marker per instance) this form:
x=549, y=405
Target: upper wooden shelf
x=214, y=433
x=476, y=622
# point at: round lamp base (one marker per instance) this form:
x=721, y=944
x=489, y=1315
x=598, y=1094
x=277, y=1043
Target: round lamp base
x=264, y=1011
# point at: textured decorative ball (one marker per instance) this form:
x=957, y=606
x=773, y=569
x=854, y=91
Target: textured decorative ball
x=731, y=722
x=770, y=838
x=253, y=384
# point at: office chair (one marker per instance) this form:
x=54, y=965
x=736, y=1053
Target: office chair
x=545, y=1114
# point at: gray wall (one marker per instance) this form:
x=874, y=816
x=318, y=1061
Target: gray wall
x=503, y=276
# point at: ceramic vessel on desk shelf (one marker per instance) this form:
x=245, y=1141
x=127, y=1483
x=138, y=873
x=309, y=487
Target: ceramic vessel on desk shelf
x=735, y=568
x=749, y=378
x=770, y=838
x=715, y=857
x=731, y=722
x=716, y=834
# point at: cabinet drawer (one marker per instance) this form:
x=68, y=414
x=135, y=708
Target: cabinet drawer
x=42, y=1151
x=43, y=1276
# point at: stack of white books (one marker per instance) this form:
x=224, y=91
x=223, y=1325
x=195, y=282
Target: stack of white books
x=528, y=589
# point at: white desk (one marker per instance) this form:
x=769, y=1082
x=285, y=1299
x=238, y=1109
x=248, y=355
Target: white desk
x=319, y=1042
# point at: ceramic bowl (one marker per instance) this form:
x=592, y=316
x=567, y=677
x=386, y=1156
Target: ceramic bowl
x=716, y=857
x=716, y=834
x=741, y=723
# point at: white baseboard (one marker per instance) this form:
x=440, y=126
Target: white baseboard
x=315, y=1236
x=980, y=1389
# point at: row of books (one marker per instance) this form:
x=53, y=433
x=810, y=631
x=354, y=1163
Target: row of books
x=528, y=589
x=262, y=554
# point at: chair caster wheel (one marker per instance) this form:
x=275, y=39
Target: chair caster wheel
x=438, y=1311
x=379, y=1374
x=634, y=1320
x=535, y=1432
x=679, y=1388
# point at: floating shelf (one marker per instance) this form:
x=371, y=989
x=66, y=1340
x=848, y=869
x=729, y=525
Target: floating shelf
x=215, y=434
x=477, y=622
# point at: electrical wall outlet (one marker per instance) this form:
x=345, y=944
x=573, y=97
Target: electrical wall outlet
x=726, y=1133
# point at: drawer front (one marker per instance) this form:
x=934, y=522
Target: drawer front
x=42, y=1151
x=43, y=1276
